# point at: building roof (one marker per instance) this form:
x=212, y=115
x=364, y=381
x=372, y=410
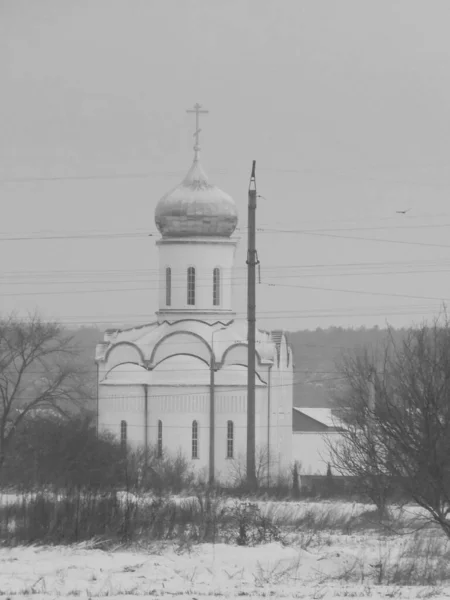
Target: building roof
x=196, y=208
x=221, y=337
x=321, y=415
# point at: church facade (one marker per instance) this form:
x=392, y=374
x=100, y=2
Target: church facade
x=179, y=383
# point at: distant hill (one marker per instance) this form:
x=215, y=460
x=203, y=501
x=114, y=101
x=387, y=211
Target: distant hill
x=315, y=356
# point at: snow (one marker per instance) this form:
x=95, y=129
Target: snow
x=202, y=571
x=322, y=563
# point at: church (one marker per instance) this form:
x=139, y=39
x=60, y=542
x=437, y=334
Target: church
x=179, y=383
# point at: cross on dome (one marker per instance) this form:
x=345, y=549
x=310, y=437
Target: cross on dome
x=197, y=110
x=196, y=208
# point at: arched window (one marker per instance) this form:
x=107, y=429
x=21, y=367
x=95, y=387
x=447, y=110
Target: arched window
x=123, y=434
x=159, y=449
x=191, y=286
x=216, y=287
x=230, y=439
x=194, y=439
x=168, y=286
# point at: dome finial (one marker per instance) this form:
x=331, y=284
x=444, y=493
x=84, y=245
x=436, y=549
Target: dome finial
x=197, y=110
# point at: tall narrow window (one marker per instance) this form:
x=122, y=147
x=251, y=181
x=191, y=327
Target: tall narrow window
x=123, y=434
x=194, y=439
x=191, y=286
x=216, y=287
x=230, y=439
x=168, y=286
x=159, y=449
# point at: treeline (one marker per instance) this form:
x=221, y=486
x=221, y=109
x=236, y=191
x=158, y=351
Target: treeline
x=55, y=453
x=317, y=354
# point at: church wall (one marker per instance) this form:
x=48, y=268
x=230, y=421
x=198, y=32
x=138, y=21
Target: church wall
x=205, y=257
x=177, y=407
x=281, y=416
x=231, y=405
x=122, y=403
x=287, y=392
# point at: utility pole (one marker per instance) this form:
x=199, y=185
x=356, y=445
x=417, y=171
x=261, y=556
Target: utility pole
x=252, y=261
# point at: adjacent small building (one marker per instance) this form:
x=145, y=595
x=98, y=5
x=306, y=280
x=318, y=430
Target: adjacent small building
x=312, y=431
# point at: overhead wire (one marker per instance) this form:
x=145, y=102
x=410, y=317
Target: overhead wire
x=142, y=233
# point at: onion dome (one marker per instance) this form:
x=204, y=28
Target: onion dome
x=196, y=208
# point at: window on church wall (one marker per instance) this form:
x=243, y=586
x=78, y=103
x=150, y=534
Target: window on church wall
x=230, y=439
x=195, y=439
x=168, y=286
x=123, y=434
x=159, y=448
x=216, y=287
x=191, y=286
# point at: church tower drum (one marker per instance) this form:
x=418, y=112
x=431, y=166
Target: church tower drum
x=196, y=252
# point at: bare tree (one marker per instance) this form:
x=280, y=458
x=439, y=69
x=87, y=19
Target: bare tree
x=396, y=415
x=38, y=370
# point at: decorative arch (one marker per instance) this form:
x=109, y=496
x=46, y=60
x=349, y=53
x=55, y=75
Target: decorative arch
x=209, y=323
x=180, y=333
x=236, y=345
x=181, y=354
x=245, y=367
x=124, y=363
x=125, y=343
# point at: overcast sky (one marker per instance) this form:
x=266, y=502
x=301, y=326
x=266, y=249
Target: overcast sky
x=343, y=104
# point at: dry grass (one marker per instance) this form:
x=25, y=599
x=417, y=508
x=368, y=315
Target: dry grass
x=109, y=521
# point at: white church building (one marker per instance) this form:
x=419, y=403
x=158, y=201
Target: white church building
x=179, y=384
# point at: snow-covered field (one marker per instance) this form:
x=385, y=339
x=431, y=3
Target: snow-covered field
x=339, y=568
x=321, y=562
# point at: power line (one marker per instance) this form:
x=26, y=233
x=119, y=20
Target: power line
x=138, y=289
x=366, y=239
x=83, y=235
x=229, y=388
x=137, y=322
x=305, y=269
x=347, y=291
x=265, y=275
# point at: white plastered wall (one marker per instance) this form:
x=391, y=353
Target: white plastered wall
x=118, y=403
x=205, y=256
x=310, y=450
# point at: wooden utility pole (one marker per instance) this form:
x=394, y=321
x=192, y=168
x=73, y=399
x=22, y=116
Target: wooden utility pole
x=252, y=261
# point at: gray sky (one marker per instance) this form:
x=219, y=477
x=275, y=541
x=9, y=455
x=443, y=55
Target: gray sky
x=344, y=106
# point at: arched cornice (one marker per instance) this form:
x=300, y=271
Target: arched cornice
x=127, y=362
x=180, y=354
x=175, y=333
x=245, y=367
x=245, y=345
x=137, y=327
x=125, y=343
x=227, y=323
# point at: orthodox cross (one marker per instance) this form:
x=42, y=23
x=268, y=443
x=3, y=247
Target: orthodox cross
x=197, y=110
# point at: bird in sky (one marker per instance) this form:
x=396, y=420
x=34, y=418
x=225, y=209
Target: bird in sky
x=402, y=212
